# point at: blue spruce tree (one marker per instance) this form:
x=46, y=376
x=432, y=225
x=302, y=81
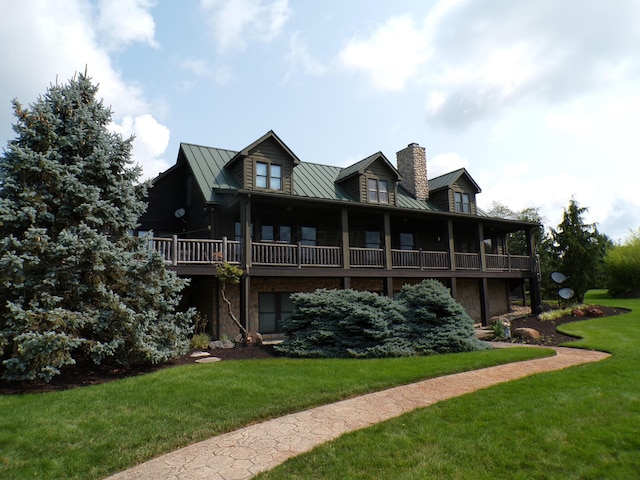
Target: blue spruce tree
x=72, y=280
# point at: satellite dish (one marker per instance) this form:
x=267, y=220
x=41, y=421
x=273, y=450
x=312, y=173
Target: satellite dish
x=565, y=293
x=558, y=277
x=179, y=213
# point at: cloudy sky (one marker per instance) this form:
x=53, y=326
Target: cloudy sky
x=538, y=99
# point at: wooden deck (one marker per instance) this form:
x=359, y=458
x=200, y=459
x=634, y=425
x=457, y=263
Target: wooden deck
x=209, y=252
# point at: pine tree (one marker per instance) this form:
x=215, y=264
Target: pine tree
x=72, y=279
x=579, y=250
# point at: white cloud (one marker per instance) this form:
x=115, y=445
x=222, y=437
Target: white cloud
x=390, y=56
x=473, y=58
x=222, y=75
x=236, y=23
x=151, y=141
x=127, y=21
x=299, y=58
x=61, y=36
x=445, y=163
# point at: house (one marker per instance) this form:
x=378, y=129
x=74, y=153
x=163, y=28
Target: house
x=294, y=226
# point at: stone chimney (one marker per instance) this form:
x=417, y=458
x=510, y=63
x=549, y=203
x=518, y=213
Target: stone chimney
x=412, y=166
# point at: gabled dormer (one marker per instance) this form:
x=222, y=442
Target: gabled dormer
x=372, y=180
x=266, y=165
x=455, y=192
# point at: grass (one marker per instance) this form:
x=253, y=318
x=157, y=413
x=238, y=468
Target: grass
x=578, y=423
x=95, y=431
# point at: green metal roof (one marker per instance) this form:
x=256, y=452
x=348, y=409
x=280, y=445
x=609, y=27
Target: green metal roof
x=448, y=179
x=208, y=169
x=360, y=166
x=310, y=180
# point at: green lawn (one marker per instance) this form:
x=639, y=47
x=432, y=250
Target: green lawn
x=94, y=431
x=580, y=423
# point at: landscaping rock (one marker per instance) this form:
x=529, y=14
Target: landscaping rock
x=255, y=338
x=526, y=333
x=200, y=354
x=484, y=334
x=221, y=344
x=208, y=360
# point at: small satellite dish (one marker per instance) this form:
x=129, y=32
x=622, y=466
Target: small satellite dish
x=565, y=293
x=179, y=213
x=558, y=277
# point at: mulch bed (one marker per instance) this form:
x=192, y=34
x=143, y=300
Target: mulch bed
x=86, y=373
x=549, y=336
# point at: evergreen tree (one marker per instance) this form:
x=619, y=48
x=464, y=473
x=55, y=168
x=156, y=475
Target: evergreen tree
x=72, y=279
x=579, y=250
x=517, y=243
x=435, y=321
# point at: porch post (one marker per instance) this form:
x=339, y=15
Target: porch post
x=388, y=286
x=388, y=259
x=245, y=226
x=452, y=245
x=484, y=301
x=483, y=258
x=534, y=280
x=346, y=256
x=245, y=294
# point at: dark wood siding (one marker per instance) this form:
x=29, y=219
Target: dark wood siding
x=441, y=200
x=270, y=152
x=379, y=171
x=167, y=195
x=463, y=185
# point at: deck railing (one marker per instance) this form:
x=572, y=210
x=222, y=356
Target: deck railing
x=366, y=257
x=288, y=255
x=509, y=263
x=420, y=259
x=203, y=251
x=467, y=261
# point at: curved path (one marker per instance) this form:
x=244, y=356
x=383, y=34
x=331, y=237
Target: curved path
x=244, y=453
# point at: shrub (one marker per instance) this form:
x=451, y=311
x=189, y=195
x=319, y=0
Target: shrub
x=622, y=264
x=436, y=323
x=345, y=323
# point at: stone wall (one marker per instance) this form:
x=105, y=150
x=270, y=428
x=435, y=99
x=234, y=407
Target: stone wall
x=412, y=167
x=467, y=293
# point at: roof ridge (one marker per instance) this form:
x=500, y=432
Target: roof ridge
x=210, y=148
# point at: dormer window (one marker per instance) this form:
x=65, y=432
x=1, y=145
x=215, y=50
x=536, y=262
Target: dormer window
x=377, y=191
x=268, y=176
x=463, y=202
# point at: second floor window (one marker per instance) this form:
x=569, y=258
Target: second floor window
x=372, y=239
x=377, y=190
x=268, y=176
x=308, y=236
x=406, y=241
x=463, y=202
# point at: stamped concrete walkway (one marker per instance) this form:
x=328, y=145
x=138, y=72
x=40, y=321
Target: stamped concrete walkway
x=243, y=453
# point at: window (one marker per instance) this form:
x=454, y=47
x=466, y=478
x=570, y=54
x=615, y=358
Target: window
x=406, y=241
x=266, y=233
x=372, y=239
x=377, y=190
x=268, y=176
x=285, y=234
x=462, y=202
x=308, y=236
x=273, y=309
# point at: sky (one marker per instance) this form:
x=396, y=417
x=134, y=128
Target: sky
x=538, y=99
